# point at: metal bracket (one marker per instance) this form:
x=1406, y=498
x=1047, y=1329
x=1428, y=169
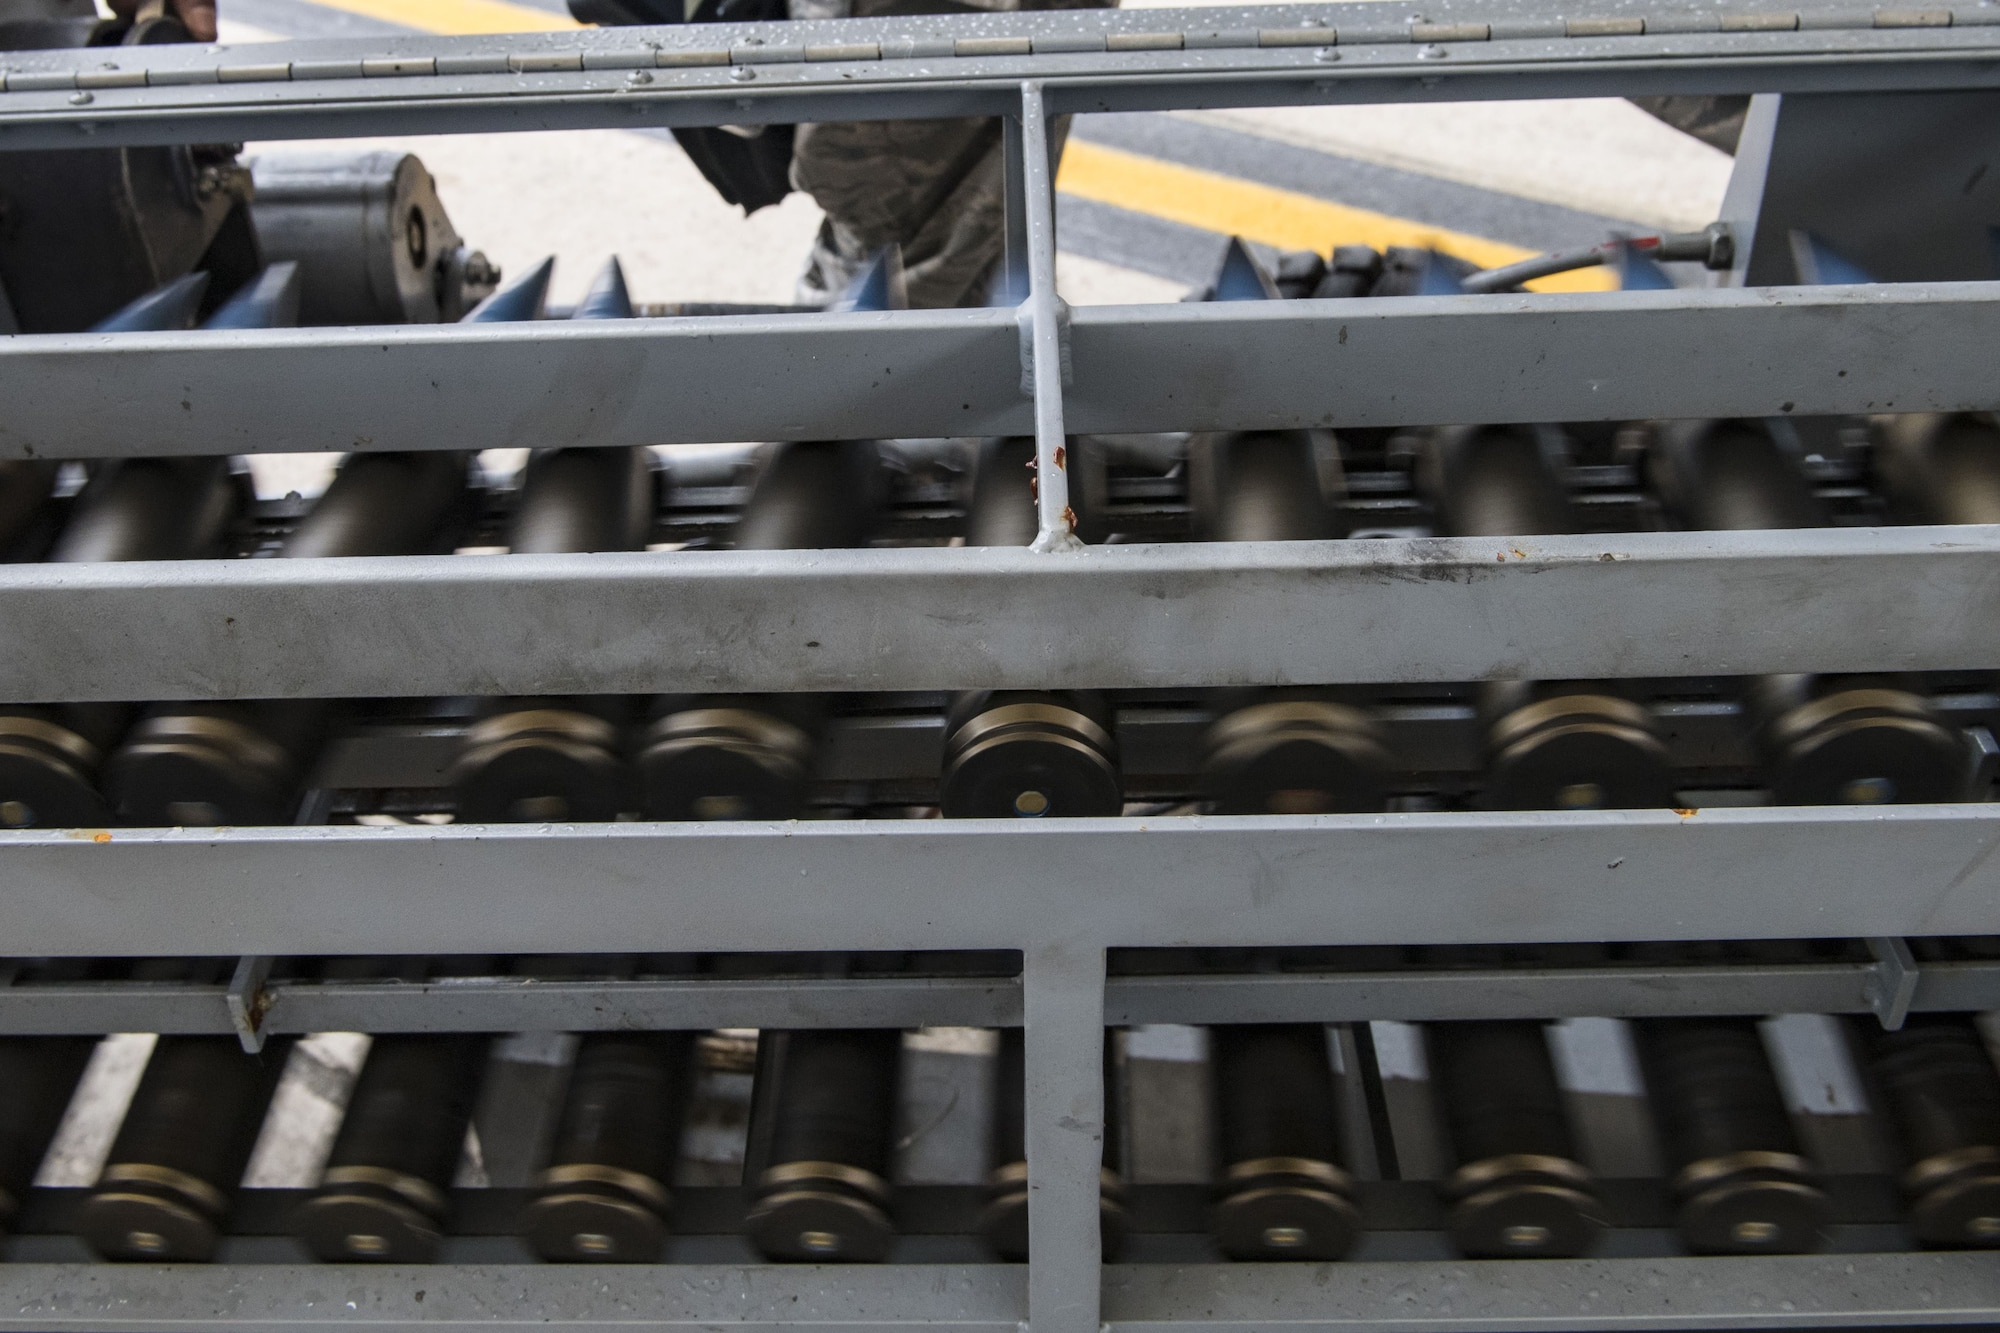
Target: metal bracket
x=1893, y=985
x=249, y=1001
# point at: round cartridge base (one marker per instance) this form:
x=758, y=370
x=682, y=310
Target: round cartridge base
x=358, y=1225
x=140, y=1225
x=580, y=1225
x=1749, y=1216
x=1286, y=1222
x=807, y=1224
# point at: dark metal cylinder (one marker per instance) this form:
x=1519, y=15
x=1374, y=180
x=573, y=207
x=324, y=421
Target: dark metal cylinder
x=38, y=1076
x=385, y=1194
x=150, y=509
x=26, y=488
x=830, y=1095
x=1518, y=1190
x=134, y=509
x=604, y=1196
x=751, y=757
x=1827, y=741
x=1283, y=1192
x=1942, y=1098
x=1494, y=481
x=1000, y=511
x=1004, y=1223
x=1742, y=1184
x=1941, y=467
x=1548, y=746
x=171, y=1178
x=1293, y=751
x=559, y=759
x=243, y=763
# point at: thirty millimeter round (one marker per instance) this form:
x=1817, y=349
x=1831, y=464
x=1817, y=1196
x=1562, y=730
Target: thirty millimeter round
x=723, y=763
x=1866, y=747
x=1577, y=752
x=1294, y=757
x=539, y=764
x=362, y=1226
x=1027, y=760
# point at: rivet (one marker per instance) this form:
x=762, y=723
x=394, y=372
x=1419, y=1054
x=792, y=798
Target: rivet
x=81, y=99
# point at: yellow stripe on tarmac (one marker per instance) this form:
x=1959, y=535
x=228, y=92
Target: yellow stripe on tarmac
x=1283, y=218
x=457, y=18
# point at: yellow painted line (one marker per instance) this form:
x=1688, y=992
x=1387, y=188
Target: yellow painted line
x=1283, y=218
x=458, y=18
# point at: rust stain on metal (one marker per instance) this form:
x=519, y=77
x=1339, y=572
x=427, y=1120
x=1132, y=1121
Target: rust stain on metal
x=1686, y=813
x=1062, y=458
x=1069, y=518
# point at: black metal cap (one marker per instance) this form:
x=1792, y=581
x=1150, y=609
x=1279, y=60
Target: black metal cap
x=202, y=771
x=1960, y=1212
x=723, y=763
x=1294, y=757
x=1029, y=759
x=47, y=777
x=1866, y=747
x=1577, y=752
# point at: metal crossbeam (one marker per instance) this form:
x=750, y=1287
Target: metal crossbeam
x=1169, y=881
x=508, y=1004
x=1558, y=357
x=1427, y=609
x=971, y=64
x=1851, y=1290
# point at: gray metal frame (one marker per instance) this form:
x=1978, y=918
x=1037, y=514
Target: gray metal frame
x=1060, y=894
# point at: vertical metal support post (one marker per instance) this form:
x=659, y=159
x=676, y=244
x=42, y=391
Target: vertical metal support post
x=1014, y=239
x=1048, y=325
x=1063, y=1016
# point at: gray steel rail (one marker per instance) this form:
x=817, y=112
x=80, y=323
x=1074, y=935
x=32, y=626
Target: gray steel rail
x=1793, y=1292
x=511, y=1004
x=1169, y=881
x=1278, y=365
x=1400, y=610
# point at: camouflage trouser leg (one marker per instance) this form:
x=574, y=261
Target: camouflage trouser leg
x=933, y=186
